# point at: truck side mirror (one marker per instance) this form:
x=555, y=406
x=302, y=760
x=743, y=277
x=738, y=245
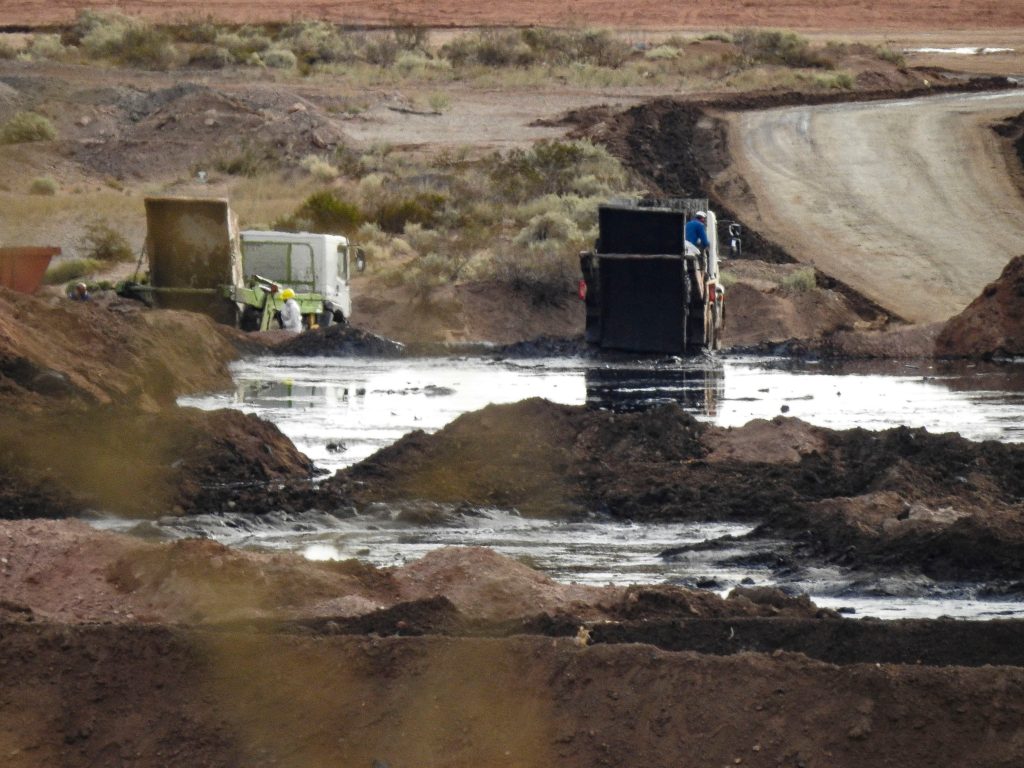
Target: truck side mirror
x=360, y=260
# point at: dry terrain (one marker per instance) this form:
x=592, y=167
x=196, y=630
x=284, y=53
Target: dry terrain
x=116, y=651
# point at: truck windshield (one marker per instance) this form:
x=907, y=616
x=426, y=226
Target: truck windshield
x=288, y=263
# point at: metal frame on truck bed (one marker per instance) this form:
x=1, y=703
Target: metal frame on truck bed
x=646, y=289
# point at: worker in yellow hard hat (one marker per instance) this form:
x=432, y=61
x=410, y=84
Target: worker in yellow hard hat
x=291, y=315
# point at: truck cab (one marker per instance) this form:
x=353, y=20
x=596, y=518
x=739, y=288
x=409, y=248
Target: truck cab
x=310, y=264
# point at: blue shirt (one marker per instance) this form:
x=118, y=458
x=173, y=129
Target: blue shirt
x=697, y=233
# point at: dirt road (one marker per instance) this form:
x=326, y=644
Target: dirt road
x=909, y=202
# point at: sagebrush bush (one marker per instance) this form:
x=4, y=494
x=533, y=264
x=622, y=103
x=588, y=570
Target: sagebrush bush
x=318, y=168
x=761, y=46
x=544, y=276
x=43, y=185
x=102, y=243
x=7, y=51
x=279, y=58
x=552, y=167
x=71, y=269
x=132, y=41
x=319, y=42
x=47, y=47
x=801, y=280
x=24, y=127
x=328, y=213
x=395, y=214
x=550, y=226
x=662, y=53
x=210, y=57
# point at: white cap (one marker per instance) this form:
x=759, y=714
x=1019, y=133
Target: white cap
x=701, y=215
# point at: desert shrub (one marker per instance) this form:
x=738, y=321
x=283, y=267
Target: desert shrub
x=319, y=168
x=382, y=51
x=423, y=209
x=662, y=53
x=801, y=280
x=132, y=41
x=70, y=269
x=249, y=159
x=425, y=274
x=721, y=37
x=43, y=185
x=439, y=102
x=103, y=243
x=279, y=58
x=242, y=46
x=726, y=279
x=7, y=51
x=552, y=167
x=490, y=48
x=761, y=46
x=24, y=127
x=328, y=213
x=551, y=226
x=201, y=33
x=411, y=37
x=505, y=48
x=47, y=47
x=891, y=55
x=210, y=57
x=147, y=47
x=544, y=276
x=319, y=42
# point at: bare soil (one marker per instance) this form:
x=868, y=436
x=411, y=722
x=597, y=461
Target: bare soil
x=120, y=652
x=846, y=16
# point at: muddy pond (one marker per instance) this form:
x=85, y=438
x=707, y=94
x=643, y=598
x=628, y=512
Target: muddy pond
x=339, y=411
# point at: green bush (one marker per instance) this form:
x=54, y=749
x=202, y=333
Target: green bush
x=43, y=185
x=662, y=53
x=7, y=51
x=250, y=160
x=108, y=34
x=553, y=167
x=327, y=213
x=319, y=42
x=71, y=269
x=546, y=278
x=47, y=47
x=423, y=209
x=103, y=243
x=760, y=46
x=24, y=127
x=279, y=58
x=801, y=280
x=210, y=57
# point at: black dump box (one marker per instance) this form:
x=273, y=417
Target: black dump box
x=639, y=284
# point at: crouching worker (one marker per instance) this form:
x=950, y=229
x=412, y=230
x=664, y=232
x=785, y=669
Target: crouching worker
x=291, y=315
x=79, y=293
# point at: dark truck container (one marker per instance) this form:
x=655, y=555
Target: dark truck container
x=645, y=288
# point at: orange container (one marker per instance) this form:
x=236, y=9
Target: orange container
x=22, y=268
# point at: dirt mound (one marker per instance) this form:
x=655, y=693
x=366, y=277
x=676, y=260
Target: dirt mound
x=156, y=696
x=339, y=341
x=993, y=324
x=191, y=127
x=62, y=462
x=800, y=481
x=104, y=352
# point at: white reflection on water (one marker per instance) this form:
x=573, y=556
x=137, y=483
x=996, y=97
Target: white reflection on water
x=339, y=411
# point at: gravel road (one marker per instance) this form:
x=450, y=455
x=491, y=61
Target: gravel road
x=909, y=202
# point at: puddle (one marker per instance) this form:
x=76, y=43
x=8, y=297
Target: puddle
x=339, y=411
x=960, y=50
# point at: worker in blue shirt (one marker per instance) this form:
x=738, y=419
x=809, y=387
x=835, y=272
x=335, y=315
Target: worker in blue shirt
x=696, y=231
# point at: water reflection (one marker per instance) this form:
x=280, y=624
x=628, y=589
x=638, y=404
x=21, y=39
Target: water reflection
x=696, y=387
x=338, y=412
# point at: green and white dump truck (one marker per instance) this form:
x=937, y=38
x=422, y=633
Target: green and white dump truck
x=199, y=260
x=648, y=290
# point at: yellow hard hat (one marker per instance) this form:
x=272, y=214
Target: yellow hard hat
x=287, y=293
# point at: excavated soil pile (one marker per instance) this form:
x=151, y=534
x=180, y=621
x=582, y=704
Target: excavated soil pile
x=993, y=324
x=901, y=498
x=129, y=133
x=105, y=352
x=339, y=341
x=88, y=418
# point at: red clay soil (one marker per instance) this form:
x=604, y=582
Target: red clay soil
x=993, y=324
x=846, y=15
